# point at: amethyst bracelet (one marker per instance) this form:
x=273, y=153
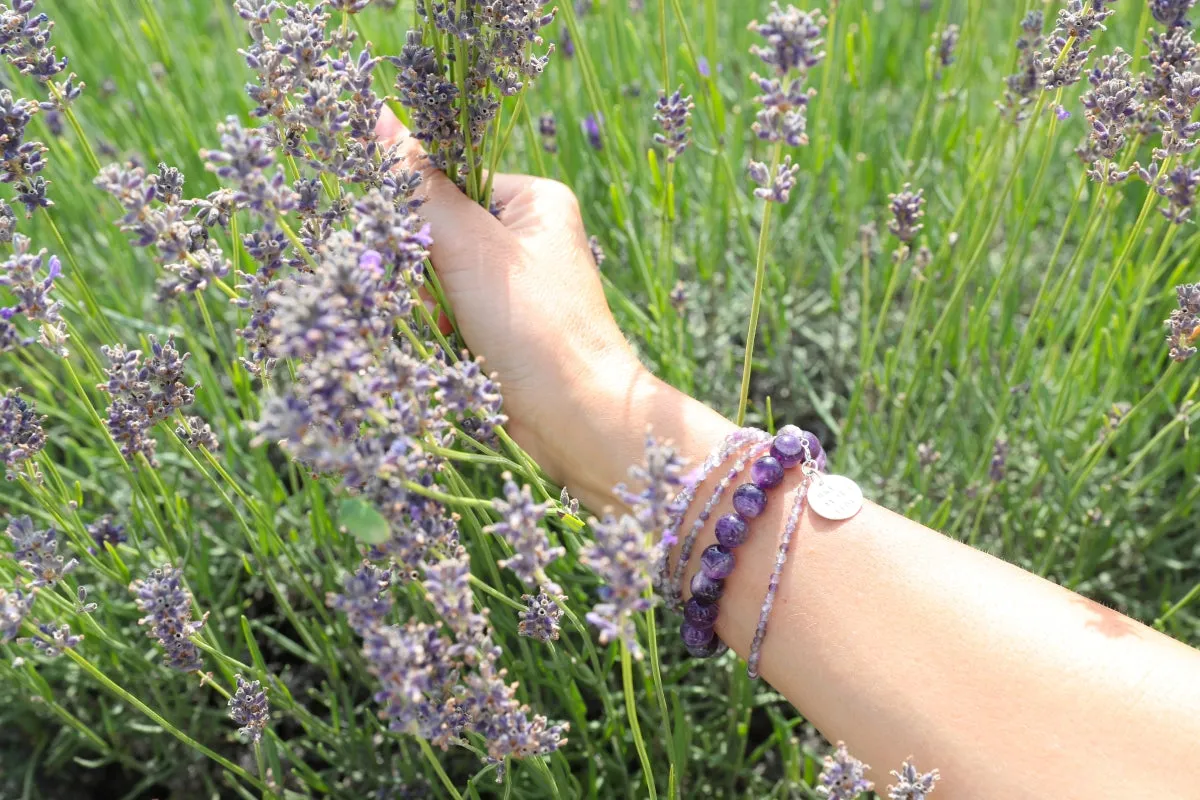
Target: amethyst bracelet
x=789, y=448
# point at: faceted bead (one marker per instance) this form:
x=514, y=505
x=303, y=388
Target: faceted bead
x=767, y=472
x=712, y=647
x=694, y=636
x=716, y=562
x=731, y=530
x=749, y=500
x=705, y=589
x=702, y=615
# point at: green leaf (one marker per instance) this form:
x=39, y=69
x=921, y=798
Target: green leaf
x=360, y=519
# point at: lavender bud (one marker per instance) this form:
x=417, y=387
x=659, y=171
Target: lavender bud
x=907, y=208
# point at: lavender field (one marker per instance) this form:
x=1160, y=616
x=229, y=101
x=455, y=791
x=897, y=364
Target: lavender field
x=268, y=531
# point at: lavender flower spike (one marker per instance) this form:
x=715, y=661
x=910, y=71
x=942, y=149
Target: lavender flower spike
x=21, y=435
x=167, y=604
x=14, y=608
x=843, y=777
x=249, y=708
x=1184, y=322
x=519, y=526
x=541, y=618
x=672, y=113
x=912, y=785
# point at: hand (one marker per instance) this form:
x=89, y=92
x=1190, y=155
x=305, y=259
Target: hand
x=526, y=295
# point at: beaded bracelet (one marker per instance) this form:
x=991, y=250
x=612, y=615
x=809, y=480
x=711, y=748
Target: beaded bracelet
x=789, y=448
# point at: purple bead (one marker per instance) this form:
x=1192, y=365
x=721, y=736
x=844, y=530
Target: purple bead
x=713, y=647
x=702, y=615
x=705, y=589
x=788, y=447
x=749, y=500
x=694, y=636
x=716, y=562
x=731, y=530
x=767, y=473
x=815, y=449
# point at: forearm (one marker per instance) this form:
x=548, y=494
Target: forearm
x=903, y=642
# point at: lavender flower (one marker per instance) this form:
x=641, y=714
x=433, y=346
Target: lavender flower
x=464, y=387
x=21, y=274
x=19, y=159
x=37, y=551
x=365, y=599
x=249, y=708
x=672, y=113
x=1172, y=13
x=1063, y=63
x=678, y=297
x=591, y=129
x=198, y=434
x=1170, y=54
x=1179, y=187
x=597, y=250
x=8, y=223
x=541, y=618
x=21, y=435
x=1175, y=114
x=1184, y=322
x=1111, y=104
x=775, y=188
x=843, y=777
x=654, y=497
x=106, y=531
x=519, y=525
x=25, y=41
x=793, y=39
x=621, y=556
x=907, y=208
x=51, y=640
x=14, y=608
x=167, y=604
x=1025, y=82
x=912, y=785
x=548, y=129
x=999, y=461
x=143, y=394
x=944, y=43
x=245, y=160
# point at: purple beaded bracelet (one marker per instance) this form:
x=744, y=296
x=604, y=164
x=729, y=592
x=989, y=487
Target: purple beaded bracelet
x=789, y=448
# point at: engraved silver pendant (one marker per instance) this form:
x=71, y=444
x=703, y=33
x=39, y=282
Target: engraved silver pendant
x=834, y=497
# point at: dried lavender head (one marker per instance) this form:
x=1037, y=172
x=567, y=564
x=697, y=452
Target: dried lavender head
x=907, y=208
x=37, y=551
x=844, y=776
x=1172, y=13
x=912, y=785
x=14, y=608
x=365, y=599
x=106, y=531
x=167, y=604
x=793, y=39
x=672, y=113
x=775, y=188
x=541, y=618
x=21, y=435
x=519, y=525
x=249, y=708
x=1184, y=322
x=21, y=274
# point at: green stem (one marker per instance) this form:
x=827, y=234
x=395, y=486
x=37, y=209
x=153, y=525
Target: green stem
x=631, y=710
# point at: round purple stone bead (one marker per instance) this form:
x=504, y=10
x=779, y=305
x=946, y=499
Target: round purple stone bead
x=749, y=500
x=789, y=446
x=731, y=530
x=712, y=647
x=766, y=473
x=716, y=562
x=705, y=589
x=702, y=615
x=694, y=636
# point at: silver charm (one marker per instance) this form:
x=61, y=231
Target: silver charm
x=834, y=497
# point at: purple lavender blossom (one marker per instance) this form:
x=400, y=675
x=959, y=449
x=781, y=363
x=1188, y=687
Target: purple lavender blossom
x=678, y=297
x=37, y=551
x=1112, y=108
x=519, y=525
x=1175, y=114
x=365, y=599
x=1184, y=322
x=654, y=494
x=249, y=708
x=167, y=604
x=548, y=130
x=51, y=640
x=197, y=434
x=142, y=395
x=1179, y=187
x=1172, y=13
x=907, y=208
x=1021, y=86
x=541, y=618
x=591, y=129
x=999, y=461
x=775, y=188
x=25, y=41
x=21, y=274
x=702, y=66
x=1170, y=54
x=244, y=160
x=1063, y=63
x=21, y=435
x=844, y=776
x=621, y=555
x=597, y=249
x=944, y=43
x=19, y=159
x=672, y=113
x=464, y=387
x=8, y=223
x=912, y=785
x=106, y=531
x=793, y=39
x=14, y=608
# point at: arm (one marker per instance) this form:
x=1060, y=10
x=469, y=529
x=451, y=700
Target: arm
x=885, y=633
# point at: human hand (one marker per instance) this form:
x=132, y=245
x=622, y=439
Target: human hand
x=526, y=295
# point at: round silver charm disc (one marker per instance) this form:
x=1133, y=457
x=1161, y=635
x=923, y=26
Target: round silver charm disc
x=835, y=497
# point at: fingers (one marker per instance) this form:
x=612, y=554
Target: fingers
x=465, y=236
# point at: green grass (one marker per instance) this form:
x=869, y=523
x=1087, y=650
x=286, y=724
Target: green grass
x=1039, y=313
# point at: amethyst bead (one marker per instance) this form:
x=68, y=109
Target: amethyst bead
x=789, y=446
x=702, y=615
x=705, y=589
x=716, y=562
x=749, y=500
x=694, y=636
x=731, y=530
x=713, y=647
x=766, y=473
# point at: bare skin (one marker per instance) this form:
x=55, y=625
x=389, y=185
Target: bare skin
x=885, y=634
